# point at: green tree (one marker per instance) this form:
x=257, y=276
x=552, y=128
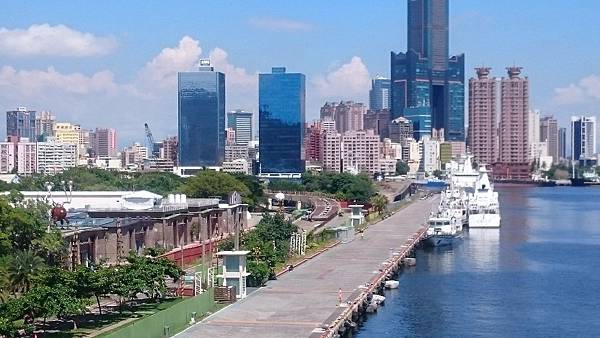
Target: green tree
x=402, y=168
x=158, y=182
x=379, y=202
x=210, y=183
x=257, y=195
x=95, y=281
x=23, y=268
x=57, y=300
x=4, y=280
x=437, y=173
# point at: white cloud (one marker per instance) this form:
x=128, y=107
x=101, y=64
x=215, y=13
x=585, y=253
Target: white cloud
x=58, y=40
x=350, y=79
x=585, y=90
x=235, y=76
x=162, y=69
x=99, y=100
x=30, y=83
x=280, y=24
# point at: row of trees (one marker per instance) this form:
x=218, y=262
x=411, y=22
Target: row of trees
x=35, y=284
x=61, y=293
x=207, y=183
x=344, y=186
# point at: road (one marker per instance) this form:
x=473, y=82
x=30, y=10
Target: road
x=301, y=300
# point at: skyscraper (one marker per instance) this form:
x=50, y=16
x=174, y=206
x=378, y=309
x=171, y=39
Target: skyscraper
x=281, y=102
x=549, y=134
x=379, y=121
x=583, y=137
x=201, y=116
x=348, y=115
x=44, y=125
x=514, y=119
x=483, y=130
x=104, y=142
x=379, y=95
x=241, y=122
x=425, y=77
x=562, y=142
x=20, y=123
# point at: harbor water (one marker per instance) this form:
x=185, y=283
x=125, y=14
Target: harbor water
x=536, y=276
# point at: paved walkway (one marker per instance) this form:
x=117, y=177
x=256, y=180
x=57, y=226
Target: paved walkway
x=301, y=300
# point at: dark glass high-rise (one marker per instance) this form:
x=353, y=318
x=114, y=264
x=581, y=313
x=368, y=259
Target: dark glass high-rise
x=201, y=117
x=281, y=101
x=425, y=76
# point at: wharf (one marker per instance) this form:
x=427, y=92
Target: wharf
x=306, y=299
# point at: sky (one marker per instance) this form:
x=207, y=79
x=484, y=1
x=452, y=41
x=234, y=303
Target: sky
x=114, y=63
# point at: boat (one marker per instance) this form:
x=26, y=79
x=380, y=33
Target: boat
x=484, y=210
x=443, y=230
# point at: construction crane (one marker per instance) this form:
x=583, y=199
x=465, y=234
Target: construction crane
x=149, y=141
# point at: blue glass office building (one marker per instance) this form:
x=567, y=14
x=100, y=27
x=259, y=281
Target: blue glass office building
x=425, y=76
x=21, y=123
x=281, y=103
x=201, y=117
x=379, y=95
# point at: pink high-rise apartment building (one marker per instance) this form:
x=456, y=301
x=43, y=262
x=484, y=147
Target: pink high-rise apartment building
x=104, y=142
x=348, y=115
x=361, y=151
x=312, y=142
x=331, y=150
x=514, y=126
x=483, y=130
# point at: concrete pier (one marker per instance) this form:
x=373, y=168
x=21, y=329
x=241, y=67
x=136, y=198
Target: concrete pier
x=304, y=302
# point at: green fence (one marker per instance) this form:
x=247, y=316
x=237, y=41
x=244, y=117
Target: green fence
x=168, y=322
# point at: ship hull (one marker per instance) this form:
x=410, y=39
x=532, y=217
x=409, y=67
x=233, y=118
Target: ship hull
x=484, y=221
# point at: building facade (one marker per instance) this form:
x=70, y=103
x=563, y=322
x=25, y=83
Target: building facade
x=379, y=121
x=55, y=157
x=331, y=150
x=44, y=125
x=104, y=142
x=583, y=137
x=312, y=142
x=26, y=158
x=7, y=157
x=549, y=134
x=360, y=151
x=425, y=77
x=483, y=130
x=281, y=100
x=514, y=143
x=562, y=143
x=401, y=130
x=21, y=123
x=348, y=115
x=379, y=95
x=201, y=116
x=241, y=122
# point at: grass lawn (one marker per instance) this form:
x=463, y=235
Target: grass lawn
x=92, y=323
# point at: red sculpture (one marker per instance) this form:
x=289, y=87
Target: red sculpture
x=58, y=213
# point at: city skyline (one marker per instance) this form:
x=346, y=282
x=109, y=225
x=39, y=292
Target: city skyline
x=111, y=67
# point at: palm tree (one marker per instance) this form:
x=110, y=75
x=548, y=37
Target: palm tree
x=24, y=266
x=4, y=294
x=379, y=202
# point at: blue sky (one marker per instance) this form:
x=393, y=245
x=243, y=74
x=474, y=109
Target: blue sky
x=112, y=63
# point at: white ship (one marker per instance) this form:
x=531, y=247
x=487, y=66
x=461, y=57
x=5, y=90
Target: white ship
x=484, y=210
x=455, y=202
x=443, y=230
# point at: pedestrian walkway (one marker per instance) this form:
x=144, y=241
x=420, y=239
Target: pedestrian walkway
x=298, y=302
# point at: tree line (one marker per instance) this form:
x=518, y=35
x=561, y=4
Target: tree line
x=34, y=283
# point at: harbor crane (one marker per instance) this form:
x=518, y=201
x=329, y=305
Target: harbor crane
x=149, y=141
